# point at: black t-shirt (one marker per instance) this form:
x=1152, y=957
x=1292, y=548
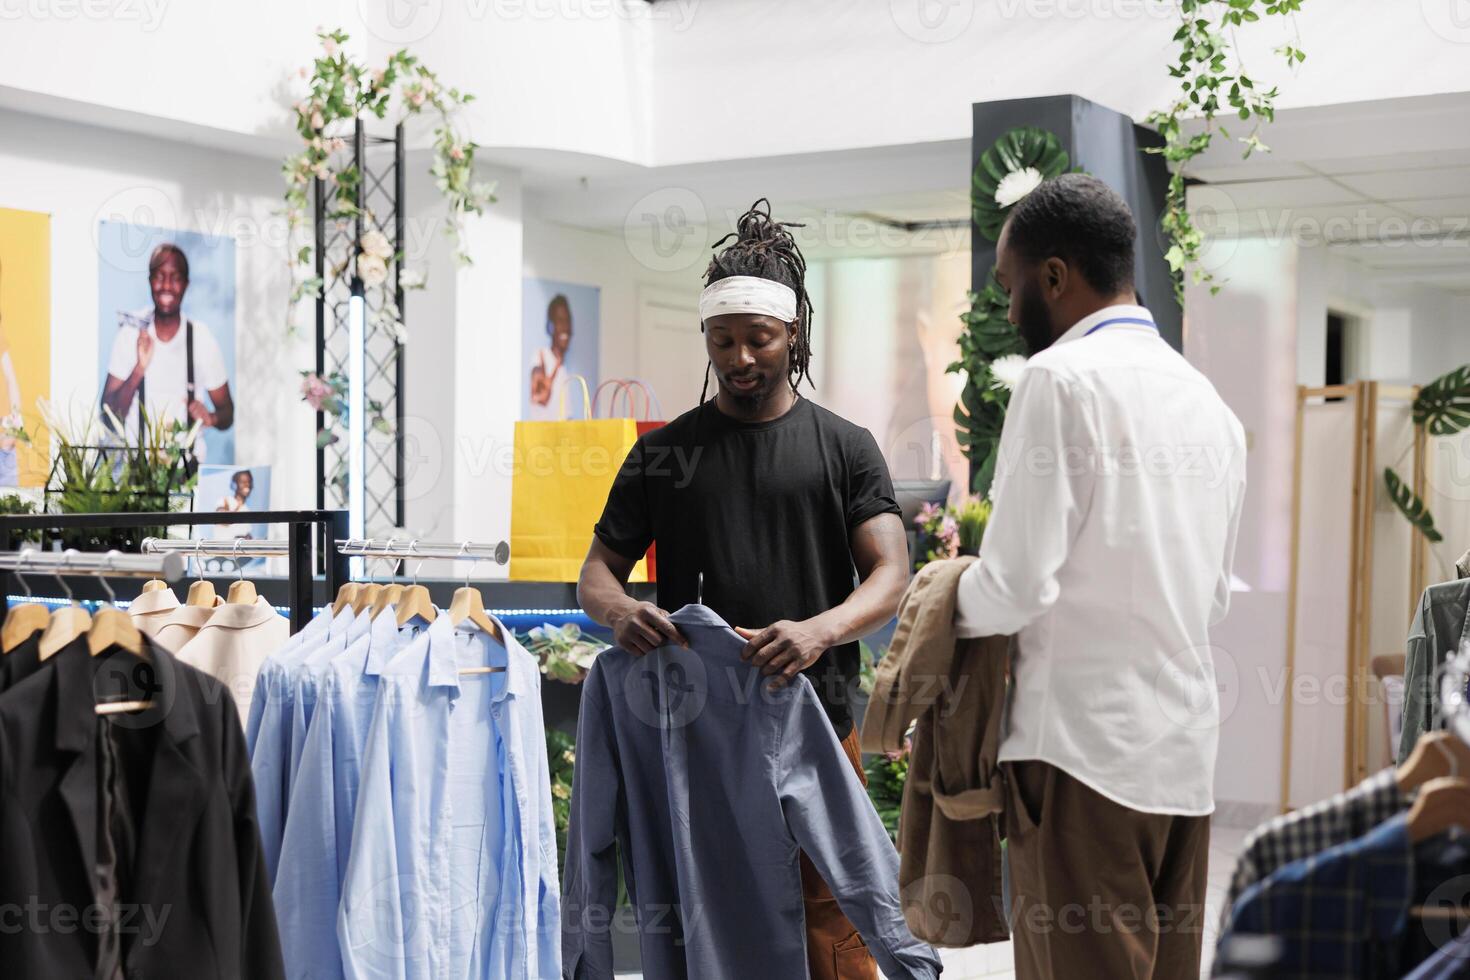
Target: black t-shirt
x=765, y=510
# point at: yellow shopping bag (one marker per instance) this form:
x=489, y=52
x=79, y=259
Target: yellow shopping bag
x=563, y=472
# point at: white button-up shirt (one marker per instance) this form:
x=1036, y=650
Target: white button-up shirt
x=1116, y=502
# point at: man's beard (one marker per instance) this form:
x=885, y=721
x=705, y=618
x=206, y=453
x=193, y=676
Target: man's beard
x=755, y=397
x=1038, y=331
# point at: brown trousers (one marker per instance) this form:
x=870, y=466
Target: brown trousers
x=1098, y=889
x=834, y=950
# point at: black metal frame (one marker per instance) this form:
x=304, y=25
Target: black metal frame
x=385, y=186
x=305, y=529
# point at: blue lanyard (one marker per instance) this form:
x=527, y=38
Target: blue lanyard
x=1121, y=319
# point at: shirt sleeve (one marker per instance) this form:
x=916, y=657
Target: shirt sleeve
x=124, y=353
x=869, y=486
x=1221, y=605
x=376, y=934
x=590, y=884
x=1043, y=485
x=209, y=360
x=626, y=525
x=306, y=885
x=833, y=821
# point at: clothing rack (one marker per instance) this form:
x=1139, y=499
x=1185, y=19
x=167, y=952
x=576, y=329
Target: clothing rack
x=219, y=548
x=110, y=564
x=410, y=548
x=305, y=530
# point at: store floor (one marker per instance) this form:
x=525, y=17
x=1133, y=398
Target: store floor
x=994, y=962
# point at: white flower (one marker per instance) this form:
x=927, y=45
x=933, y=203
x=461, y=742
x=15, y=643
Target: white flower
x=376, y=244
x=1007, y=371
x=329, y=45
x=317, y=122
x=371, y=269
x=1016, y=185
x=411, y=279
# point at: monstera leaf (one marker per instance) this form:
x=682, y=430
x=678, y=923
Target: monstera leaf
x=1409, y=504
x=1025, y=146
x=1443, y=406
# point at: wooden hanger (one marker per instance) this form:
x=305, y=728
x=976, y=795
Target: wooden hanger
x=390, y=596
x=415, y=601
x=366, y=596
x=66, y=623
x=1442, y=804
x=112, y=627
x=154, y=584
x=242, y=592
x=469, y=606
x=24, y=621
x=1435, y=755
x=201, y=593
x=346, y=595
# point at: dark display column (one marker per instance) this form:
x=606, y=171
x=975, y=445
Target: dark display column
x=1110, y=146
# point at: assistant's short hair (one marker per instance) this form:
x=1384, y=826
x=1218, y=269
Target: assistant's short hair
x=163, y=251
x=1081, y=220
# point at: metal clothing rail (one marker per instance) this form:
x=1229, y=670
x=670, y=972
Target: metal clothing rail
x=306, y=530
x=219, y=548
x=110, y=564
x=411, y=548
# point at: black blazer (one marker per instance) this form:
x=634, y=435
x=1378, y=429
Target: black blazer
x=200, y=904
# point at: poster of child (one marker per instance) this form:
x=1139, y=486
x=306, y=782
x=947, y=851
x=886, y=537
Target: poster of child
x=239, y=490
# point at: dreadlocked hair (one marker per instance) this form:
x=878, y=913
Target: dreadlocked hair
x=763, y=248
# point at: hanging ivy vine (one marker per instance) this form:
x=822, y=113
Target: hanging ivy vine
x=341, y=89
x=1212, y=78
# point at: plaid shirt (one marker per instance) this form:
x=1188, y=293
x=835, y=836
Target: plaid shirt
x=1340, y=913
x=1312, y=830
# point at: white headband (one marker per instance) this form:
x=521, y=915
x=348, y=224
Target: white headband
x=748, y=294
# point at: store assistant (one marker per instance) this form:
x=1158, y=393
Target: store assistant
x=777, y=503
x=1116, y=502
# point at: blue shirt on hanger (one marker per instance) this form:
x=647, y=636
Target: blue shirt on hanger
x=308, y=885
x=710, y=784
x=452, y=870
x=270, y=748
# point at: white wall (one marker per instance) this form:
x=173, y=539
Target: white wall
x=1244, y=340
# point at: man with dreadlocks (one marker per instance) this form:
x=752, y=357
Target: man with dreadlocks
x=774, y=501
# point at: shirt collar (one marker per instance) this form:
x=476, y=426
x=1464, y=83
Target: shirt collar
x=241, y=616
x=340, y=623
x=382, y=642
x=443, y=669
x=1082, y=326
x=521, y=668
x=697, y=615
x=157, y=601
x=361, y=625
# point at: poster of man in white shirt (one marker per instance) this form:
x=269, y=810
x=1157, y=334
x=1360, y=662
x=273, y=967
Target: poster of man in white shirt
x=166, y=358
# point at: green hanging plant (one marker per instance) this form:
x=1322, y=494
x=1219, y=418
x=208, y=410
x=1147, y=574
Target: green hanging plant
x=1212, y=78
x=989, y=338
x=1009, y=170
x=1443, y=406
x=1409, y=504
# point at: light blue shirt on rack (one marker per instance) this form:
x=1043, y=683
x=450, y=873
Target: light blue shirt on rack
x=308, y=887
x=306, y=680
x=452, y=871
x=268, y=733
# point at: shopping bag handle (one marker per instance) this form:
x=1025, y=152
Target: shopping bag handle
x=624, y=388
x=586, y=397
x=612, y=405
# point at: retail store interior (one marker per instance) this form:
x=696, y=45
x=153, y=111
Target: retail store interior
x=440, y=265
